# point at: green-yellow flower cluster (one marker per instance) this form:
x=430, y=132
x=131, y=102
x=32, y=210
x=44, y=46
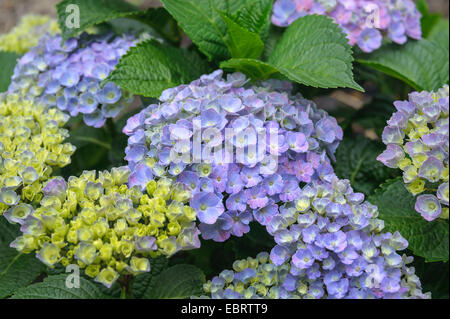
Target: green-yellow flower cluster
x=31, y=145
x=105, y=227
x=251, y=278
x=27, y=33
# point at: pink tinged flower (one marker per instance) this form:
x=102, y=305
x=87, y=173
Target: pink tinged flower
x=391, y=156
x=428, y=206
x=304, y=171
x=256, y=197
x=341, y=15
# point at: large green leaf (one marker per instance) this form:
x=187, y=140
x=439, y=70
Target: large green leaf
x=8, y=61
x=255, y=17
x=439, y=34
x=54, y=287
x=241, y=43
x=17, y=270
x=177, y=282
x=92, y=12
x=422, y=64
x=143, y=284
x=202, y=23
x=151, y=67
x=356, y=161
x=314, y=51
x=254, y=69
x=396, y=207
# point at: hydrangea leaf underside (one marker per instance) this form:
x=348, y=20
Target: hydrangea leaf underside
x=314, y=51
x=396, y=206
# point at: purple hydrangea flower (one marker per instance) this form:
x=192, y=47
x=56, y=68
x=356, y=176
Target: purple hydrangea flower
x=362, y=21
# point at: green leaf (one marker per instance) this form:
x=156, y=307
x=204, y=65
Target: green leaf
x=396, y=207
x=439, y=34
x=356, y=161
x=151, y=67
x=92, y=12
x=254, y=69
x=240, y=42
x=8, y=61
x=315, y=52
x=17, y=270
x=177, y=282
x=428, y=19
x=202, y=23
x=255, y=17
x=144, y=283
x=54, y=287
x=421, y=64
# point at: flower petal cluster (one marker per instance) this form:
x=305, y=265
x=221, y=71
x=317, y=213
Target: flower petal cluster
x=31, y=146
x=68, y=75
x=335, y=246
x=276, y=140
x=259, y=278
x=417, y=142
x=251, y=278
x=105, y=227
x=27, y=33
x=363, y=21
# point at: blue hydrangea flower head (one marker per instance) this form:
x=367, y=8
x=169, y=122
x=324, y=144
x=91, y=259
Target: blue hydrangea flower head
x=68, y=75
x=238, y=147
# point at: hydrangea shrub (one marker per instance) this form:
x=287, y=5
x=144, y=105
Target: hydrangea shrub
x=165, y=145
